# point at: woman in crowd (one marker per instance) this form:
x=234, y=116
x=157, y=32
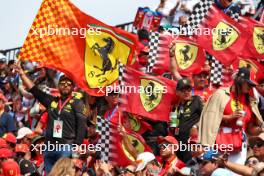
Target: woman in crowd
x=228, y=114
x=64, y=166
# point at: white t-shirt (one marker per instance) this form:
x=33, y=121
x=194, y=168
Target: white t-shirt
x=220, y=172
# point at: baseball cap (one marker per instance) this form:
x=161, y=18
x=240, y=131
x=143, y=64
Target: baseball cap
x=143, y=159
x=22, y=132
x=248, y=75
x=23, y=148
x=6, y=153
x=210, y=155
x=183, y=83
x=36, y=139
x=27, y=167
x=10, y=168
x=10, y=137
x=64, y=78
x=3, y=143
x=169, y=139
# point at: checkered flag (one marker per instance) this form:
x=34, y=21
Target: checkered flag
x=216, y=72
x=199, y=12
x=153, y=49
x=103, y=128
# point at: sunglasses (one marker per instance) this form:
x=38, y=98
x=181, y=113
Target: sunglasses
x=65, y=83
x=187, y=89
x=202, y=76
x=163, y=145
x=113, y=94
x=258, y=144
x=203, y=163
x=253, y=162
x=12, y=145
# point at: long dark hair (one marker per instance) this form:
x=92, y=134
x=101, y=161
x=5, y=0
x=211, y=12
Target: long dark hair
x=238, y=82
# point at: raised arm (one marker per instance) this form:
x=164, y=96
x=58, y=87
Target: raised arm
x=27, y=82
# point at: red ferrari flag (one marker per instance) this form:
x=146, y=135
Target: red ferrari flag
x=118, y=148
x=221, y=36
x=87, y=50
x=189, y=56
x=255, y=44
x=251, y=63
x=146, y=95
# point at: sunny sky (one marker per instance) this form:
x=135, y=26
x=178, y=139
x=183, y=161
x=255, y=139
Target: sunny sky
x=16, y=16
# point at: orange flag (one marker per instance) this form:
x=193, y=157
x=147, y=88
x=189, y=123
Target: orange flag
x=87, y=50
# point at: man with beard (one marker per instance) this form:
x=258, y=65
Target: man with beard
x=66, y=119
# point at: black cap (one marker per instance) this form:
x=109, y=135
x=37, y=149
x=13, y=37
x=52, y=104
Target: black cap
x=64, y=77
x=183, y=83
x=248, y=75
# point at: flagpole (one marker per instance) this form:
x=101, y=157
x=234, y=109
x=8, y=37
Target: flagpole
x=119, y=117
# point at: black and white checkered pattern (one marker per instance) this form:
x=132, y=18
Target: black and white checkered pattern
x=121, y=68
x=153, y=49
x=216, y=72
x=103, y=128
x=235, y=16
x=199, y=12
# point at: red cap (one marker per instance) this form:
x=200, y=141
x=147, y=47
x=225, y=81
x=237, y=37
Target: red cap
x=10, y=168
x=10, y=137
x=169, y=139
x=78, y=163
x=3, y=143
x=23, y=148
x=6, y=153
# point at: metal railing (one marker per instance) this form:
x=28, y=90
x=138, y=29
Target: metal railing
x=11, y=54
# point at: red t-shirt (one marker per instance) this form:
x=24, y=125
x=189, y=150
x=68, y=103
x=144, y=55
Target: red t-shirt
x=231, y=106
x=174, y=163
x=44, y=120
x=112, y=115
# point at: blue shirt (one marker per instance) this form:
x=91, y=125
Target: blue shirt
x=7, y=123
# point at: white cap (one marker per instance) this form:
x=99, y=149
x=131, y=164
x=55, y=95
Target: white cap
x=143, y=159
x=22, y=132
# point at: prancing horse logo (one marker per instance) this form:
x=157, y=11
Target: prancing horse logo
x=185, y=52
x=104, y=51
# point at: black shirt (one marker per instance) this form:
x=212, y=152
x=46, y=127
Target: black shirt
x=188, y=114
x=72, y=116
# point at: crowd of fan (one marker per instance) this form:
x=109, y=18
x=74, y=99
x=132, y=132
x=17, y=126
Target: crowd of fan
x=28, y=111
